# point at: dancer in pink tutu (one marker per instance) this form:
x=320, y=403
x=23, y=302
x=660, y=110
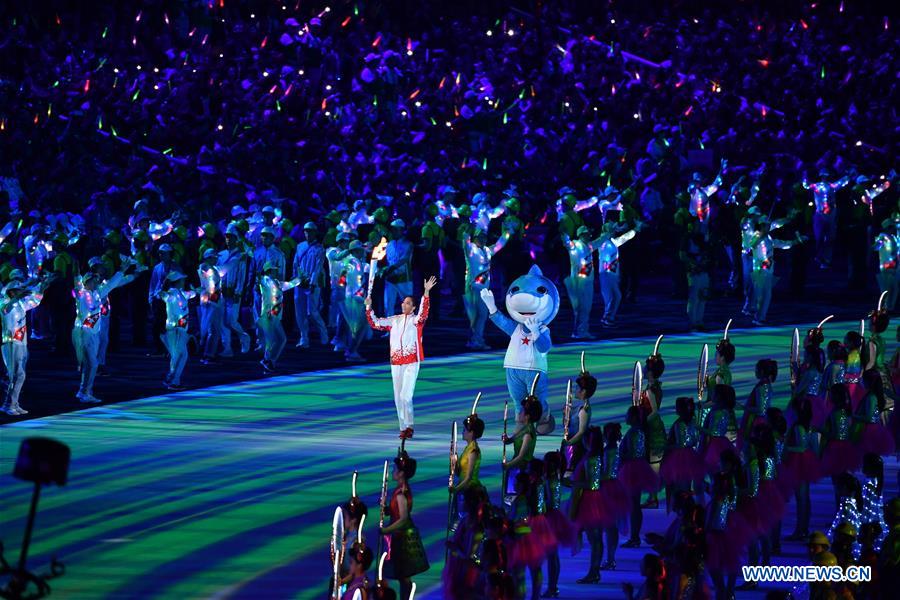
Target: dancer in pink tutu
x=801, y=463
x=809, y=378
x=839, y=454
x=573, y=448
x=834, y=373
x=616, y=500
x=760, y=398
x=854, y=342
x=587, y=511
x=527, y=551
x=636, y=474
x=727, y=533
x=540, y=524
x=563, y=530
x=682, y=465
x=870, y=433
x=720, y=427
x=764, y=505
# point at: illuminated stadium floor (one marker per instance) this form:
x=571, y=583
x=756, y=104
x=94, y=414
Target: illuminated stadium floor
x=229, y=491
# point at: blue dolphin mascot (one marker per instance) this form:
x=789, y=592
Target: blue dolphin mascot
x=532, y=302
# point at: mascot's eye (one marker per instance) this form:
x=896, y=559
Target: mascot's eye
x=514, y=289
x=542, y=290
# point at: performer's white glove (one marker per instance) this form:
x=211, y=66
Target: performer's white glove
x=488, y=298
x=534, y=325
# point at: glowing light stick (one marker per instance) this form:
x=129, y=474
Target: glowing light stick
x=567, y=410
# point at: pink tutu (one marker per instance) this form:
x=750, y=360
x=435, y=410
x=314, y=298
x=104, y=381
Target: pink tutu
x=725, y=550
x=799, y=467
x=770, y=506
x=876, y=438
x=563, y=529
x=591, y=510
x=713, y=453
x=527, y=551
x=820, y=411
x=857, y=393
x=460, y=575
x=638, y=476
x=682, y=465
x=616, y=501
x=840, y=456
x=540, y=526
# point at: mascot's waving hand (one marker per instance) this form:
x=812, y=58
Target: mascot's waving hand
x=532, y=301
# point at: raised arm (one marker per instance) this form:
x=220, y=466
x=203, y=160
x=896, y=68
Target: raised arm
x=500, y=243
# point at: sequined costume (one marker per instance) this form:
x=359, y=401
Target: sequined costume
x=801, y=461
x=824, y=220
x=840, y=454
x=518, y=441
x=870, y=434
x=654, y=428
x=635, y=473
x=720, y=428
x=608, y=252
x=563, y=530
x=580, y=282
x=407, y=554
x=682, y=463
x=616, y=500
x=591, y=512
x=527, y=549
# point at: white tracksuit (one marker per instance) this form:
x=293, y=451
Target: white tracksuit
x=406, y=354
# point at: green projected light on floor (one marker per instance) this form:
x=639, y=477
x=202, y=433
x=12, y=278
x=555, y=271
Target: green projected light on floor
x=229, y=491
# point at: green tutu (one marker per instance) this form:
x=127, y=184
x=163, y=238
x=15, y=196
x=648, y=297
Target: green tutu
x=407, y=554
x=656, y=437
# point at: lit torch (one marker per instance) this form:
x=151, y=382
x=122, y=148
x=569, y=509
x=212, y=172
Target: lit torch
x=377, y=254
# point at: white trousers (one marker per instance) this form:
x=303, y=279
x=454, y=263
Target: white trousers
x=404, y=377
x=87, y=350
x=15, y=355
x=175, y=340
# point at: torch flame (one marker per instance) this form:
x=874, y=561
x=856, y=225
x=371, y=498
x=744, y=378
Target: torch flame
x=380, y=250
x=727, y=327
x=825, y=320
x=583, y=370
x=362, y=521
x=881, y=299
x=353, y=484
x=534, y=383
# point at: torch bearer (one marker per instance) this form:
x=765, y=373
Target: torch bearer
x=377, y=254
